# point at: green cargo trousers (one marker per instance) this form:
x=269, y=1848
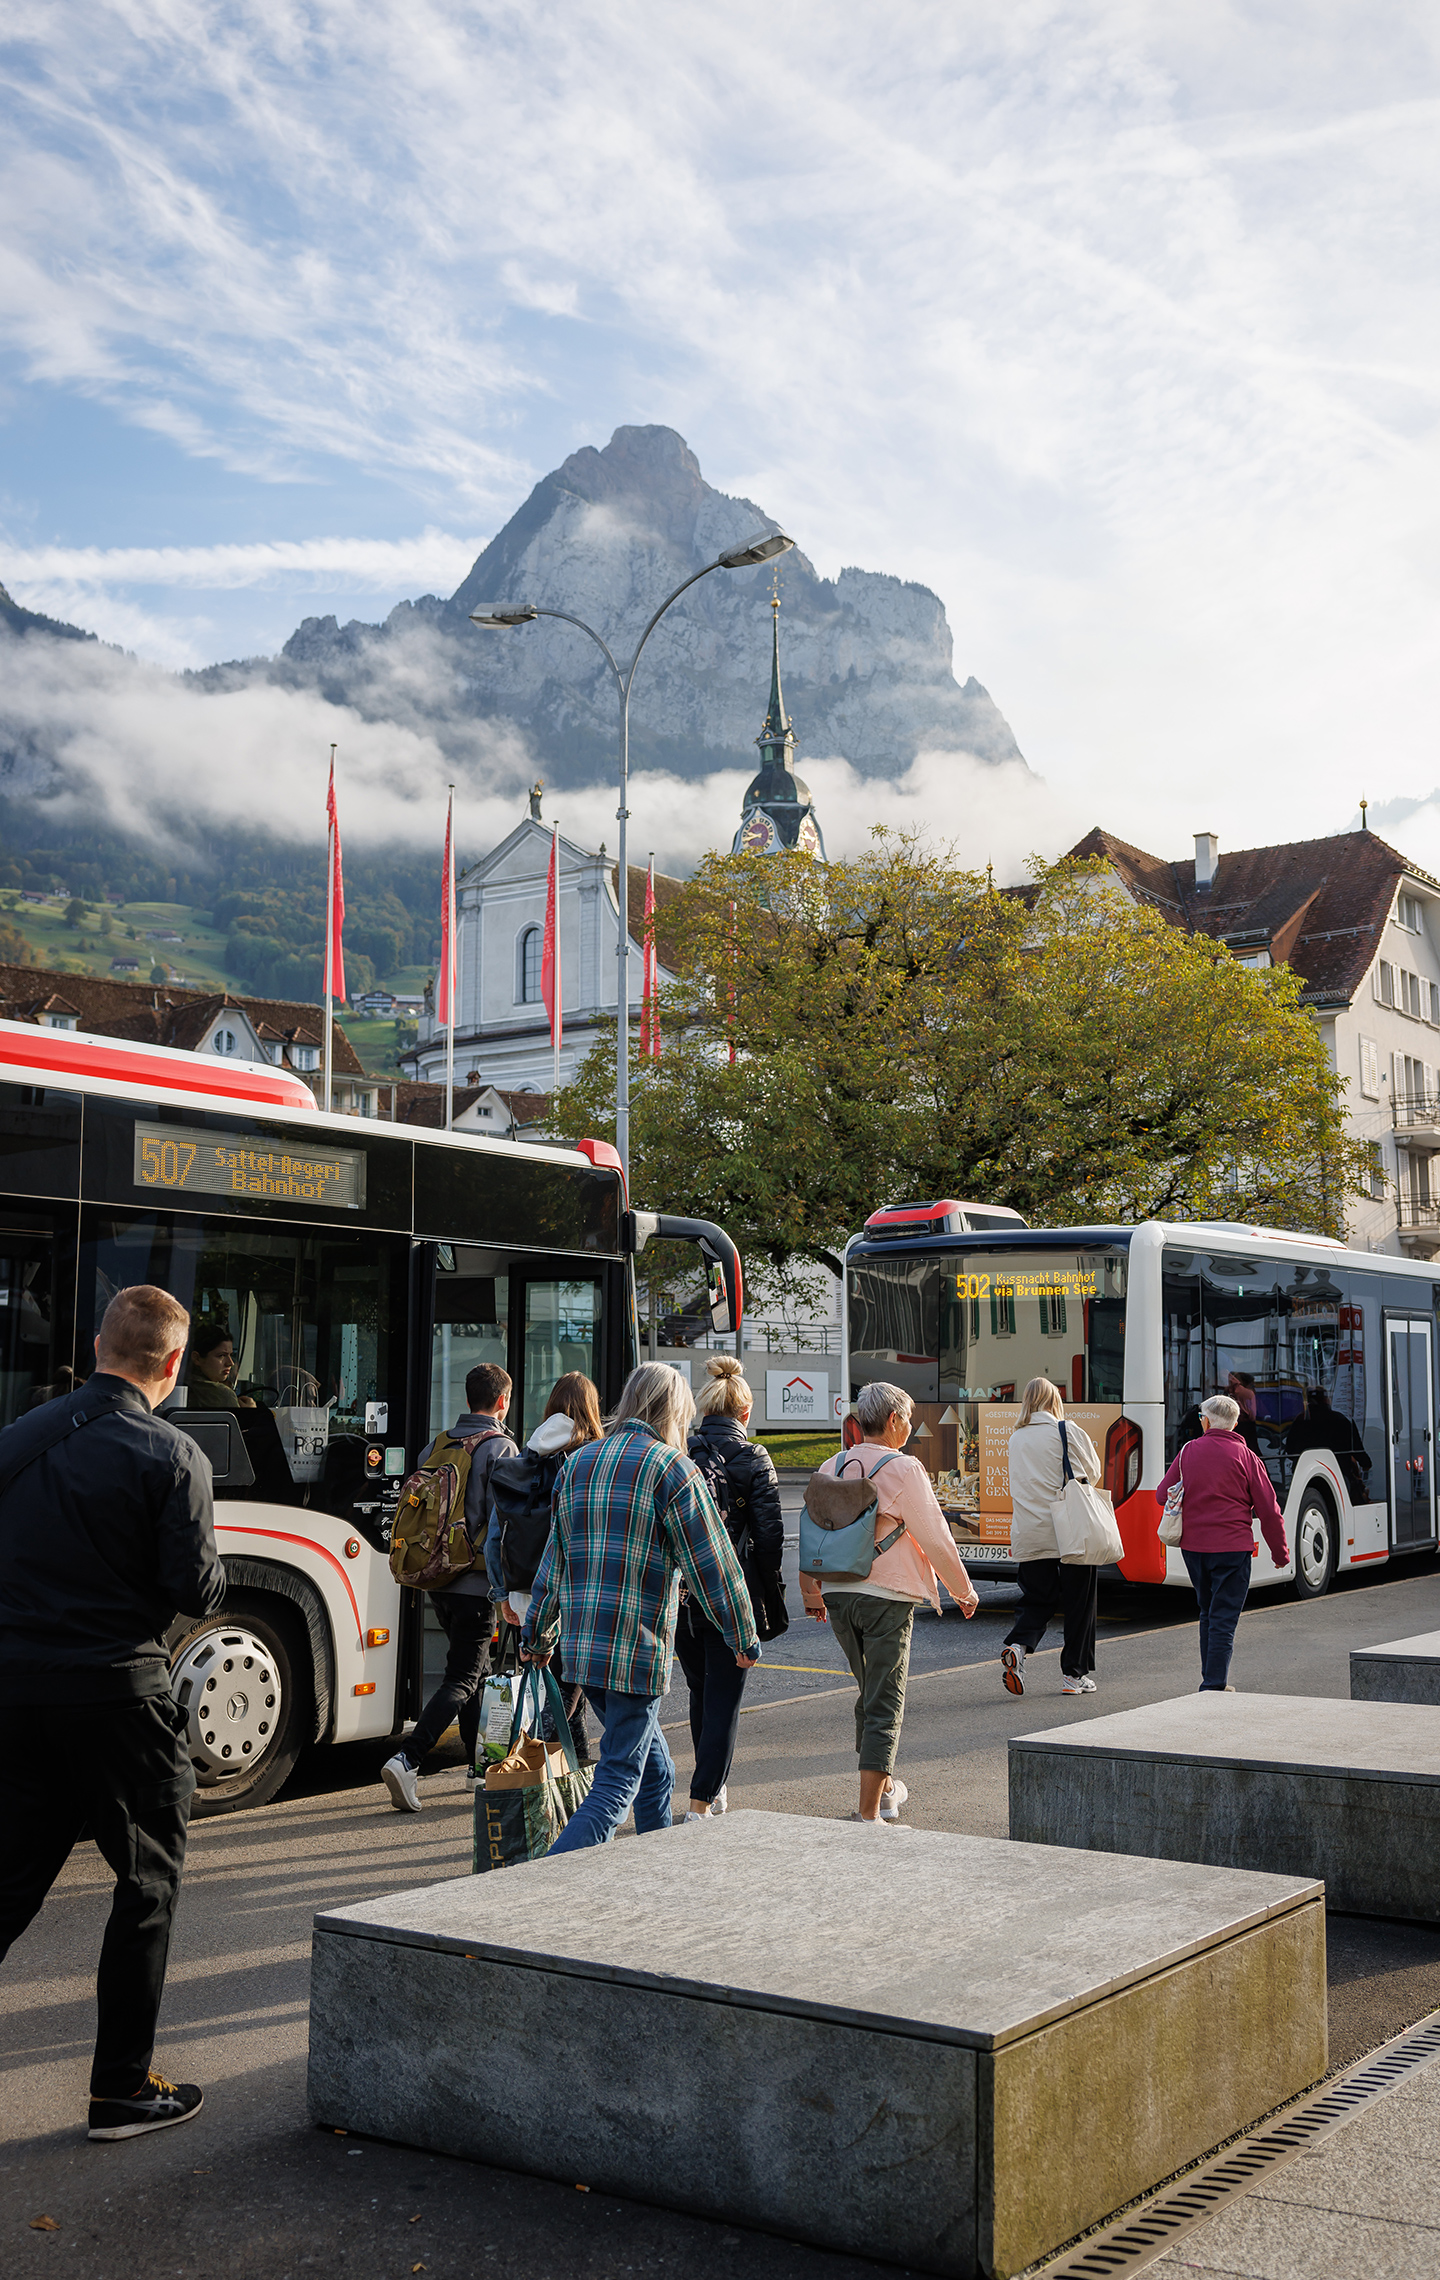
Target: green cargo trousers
x=874, y=1637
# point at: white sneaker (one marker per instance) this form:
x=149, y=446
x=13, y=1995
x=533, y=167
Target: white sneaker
x=1013, y=1661
x=1077, y=1686
x=870, y=1824
x=1087, y=1685
x=403, y=1783
x=699, y=1817
x=717, y=1803
x=892, y=1799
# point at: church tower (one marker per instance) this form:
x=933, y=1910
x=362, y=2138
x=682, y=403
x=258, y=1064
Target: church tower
x=778, y=810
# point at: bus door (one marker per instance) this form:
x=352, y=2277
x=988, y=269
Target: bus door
x=1412, y=1431
x=555, y=1320
x=37, y=1307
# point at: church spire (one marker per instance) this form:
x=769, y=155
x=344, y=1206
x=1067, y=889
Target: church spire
x=778, y=812
x=777, y=736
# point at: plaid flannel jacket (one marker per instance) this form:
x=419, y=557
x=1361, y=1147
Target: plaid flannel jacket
x=632, y=1517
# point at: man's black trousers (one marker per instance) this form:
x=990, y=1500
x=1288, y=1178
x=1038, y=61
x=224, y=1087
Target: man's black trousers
x=123, y=1769
x=467, y=1622
x=1052, y=1587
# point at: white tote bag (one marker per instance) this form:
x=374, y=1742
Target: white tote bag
x=1084, y=1519
x=1172, y=1519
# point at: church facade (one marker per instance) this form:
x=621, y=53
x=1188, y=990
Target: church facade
x=502, y=1031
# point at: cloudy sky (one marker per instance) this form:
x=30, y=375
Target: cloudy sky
x=1115, y=323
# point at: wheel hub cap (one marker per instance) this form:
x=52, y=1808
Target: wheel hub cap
x=226, y=1682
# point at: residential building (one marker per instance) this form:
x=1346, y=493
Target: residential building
x=1360, y=924
x=476, y=1107
x=197, y=1021
x=501, y=1026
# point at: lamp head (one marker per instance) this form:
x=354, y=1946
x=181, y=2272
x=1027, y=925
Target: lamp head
x=765, y=545
x=491, y=621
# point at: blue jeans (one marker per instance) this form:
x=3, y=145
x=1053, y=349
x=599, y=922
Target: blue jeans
x=635, y=1768
x=1221, y=1580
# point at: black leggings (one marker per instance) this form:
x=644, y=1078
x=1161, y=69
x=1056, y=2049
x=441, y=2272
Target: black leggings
x=716, y=1684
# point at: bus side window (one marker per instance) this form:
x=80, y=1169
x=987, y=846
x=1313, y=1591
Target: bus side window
x=471, y=1326
x=1244, y=1313
x=1184, y=1349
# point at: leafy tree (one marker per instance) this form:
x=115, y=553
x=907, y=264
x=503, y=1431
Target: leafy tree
x=14, y=949
x=74, y=911
x=900, y=1029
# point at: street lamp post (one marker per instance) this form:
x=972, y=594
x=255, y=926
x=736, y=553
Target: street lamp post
x=762, y=548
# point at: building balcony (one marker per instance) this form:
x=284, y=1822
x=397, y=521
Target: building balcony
x=1416, y=1118
x=1419, y=1225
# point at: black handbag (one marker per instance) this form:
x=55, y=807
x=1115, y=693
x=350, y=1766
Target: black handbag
x=766, y=1587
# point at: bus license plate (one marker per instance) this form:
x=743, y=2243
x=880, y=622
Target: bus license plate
x=983, y=1551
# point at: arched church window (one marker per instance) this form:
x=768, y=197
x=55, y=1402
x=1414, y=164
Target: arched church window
x=531, y=948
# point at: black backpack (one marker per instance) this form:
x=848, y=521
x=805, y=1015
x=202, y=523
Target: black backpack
x=522, y=1488
x=710, y=1465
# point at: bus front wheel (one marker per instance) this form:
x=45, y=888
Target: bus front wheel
x=240, y=1678
x=1316, y=1546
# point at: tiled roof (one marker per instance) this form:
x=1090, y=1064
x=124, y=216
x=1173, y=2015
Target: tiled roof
x=164, y=1015
x=425, y=1103
x=1318, y=904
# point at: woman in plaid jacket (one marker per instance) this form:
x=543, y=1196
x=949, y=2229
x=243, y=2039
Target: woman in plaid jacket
x=632, y=1517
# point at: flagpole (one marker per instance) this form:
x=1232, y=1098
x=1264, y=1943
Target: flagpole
x=328, y=1095
x=451, y=963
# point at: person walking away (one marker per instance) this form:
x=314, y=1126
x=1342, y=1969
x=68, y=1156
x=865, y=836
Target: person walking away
x=632, y=1518
x=571, y=1421
x=1047, y=1585
x=873, y=1619
x=1226, y=1489
x=106, y=1535
x=741, y=1479
x=463, y=1607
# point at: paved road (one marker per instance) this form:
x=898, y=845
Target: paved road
x=249, y=2192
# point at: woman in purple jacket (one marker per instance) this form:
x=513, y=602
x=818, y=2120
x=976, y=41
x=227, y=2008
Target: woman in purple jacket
x=1226, y=1490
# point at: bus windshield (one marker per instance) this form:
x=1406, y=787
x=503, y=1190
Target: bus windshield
x=964, y=1331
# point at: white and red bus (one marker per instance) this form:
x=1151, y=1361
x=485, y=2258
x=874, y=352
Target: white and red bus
x=1335, y=1351
x=360, y=1269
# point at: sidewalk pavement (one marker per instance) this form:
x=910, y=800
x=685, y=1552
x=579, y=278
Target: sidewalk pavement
x=1363, y=2205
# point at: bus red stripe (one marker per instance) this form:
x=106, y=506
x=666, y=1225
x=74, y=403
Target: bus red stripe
x=279, y=1536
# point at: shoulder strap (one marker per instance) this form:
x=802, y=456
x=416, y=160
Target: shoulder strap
x=1067, y=1471
x=60, y=1430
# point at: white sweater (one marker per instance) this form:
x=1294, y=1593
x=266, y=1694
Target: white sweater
x=1037, y=1474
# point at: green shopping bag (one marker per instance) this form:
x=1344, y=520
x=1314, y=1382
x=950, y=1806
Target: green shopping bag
x=527, y=1798
x=498, y=1700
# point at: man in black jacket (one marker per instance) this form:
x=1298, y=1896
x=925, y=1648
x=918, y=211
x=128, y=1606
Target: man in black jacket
x=106, y=1533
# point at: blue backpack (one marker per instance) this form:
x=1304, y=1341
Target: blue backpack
x=837, y=1523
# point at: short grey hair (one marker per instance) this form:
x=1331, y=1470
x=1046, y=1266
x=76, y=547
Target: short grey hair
x=879, y=1402
x=1221, y=1411
x=657, y=1396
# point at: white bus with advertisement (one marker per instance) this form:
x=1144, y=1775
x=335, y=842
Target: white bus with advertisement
x=1332, y=1352
x=358, y=1270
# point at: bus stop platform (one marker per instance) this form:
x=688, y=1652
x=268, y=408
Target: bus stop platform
x=1405, y=1670
x=1303, y=1786
x=950, y=2052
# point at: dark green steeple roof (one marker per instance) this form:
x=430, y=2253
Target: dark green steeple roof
x=778, y=811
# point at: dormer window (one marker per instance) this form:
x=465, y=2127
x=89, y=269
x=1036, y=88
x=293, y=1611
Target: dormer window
x=225, y=1041
x=62, y=1021
x=305, y=1058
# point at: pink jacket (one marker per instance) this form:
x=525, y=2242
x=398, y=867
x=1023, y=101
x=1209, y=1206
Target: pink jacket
x=1225, y=1482
x=925, y=1555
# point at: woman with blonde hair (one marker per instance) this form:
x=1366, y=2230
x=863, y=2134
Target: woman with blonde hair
x=742, y=1481
x=633, y=1518
x=1048, y=1586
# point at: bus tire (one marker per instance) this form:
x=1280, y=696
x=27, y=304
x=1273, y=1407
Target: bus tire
x=1317, y=1545
x=243, y=1676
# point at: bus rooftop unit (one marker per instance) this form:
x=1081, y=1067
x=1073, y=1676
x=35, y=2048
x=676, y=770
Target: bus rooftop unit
x=360, y=1269
x=899, y=1222
x=1333, y=1352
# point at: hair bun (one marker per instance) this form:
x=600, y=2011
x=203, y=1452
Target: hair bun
x=723, y=1366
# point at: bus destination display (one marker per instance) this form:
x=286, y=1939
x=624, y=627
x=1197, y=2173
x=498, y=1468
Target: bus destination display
x=181, y=1160
x=1045, y=1282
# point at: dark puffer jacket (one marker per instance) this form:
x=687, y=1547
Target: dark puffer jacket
x=754, y=1490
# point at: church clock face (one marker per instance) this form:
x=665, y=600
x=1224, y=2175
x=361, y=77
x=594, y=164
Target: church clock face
x=759, y=835
x=808, y=837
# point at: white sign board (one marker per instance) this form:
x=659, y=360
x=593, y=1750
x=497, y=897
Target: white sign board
x=797, y=1397
x=682, y=1369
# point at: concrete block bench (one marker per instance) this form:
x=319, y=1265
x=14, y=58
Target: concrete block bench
x=1346, y=1791
x=1407, y=1670
x=947, y=2052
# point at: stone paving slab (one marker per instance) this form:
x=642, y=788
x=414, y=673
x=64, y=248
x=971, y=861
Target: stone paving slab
x=952, y=2052
x=1403, y=1670
x=1342, y=1790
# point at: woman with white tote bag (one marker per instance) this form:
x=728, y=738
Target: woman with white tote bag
x=1049, y=1585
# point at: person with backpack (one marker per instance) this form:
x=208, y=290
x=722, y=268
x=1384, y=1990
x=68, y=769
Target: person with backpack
x=523, y=1489
x=741, y=1479
x=472, y=1446
x=873, y=1615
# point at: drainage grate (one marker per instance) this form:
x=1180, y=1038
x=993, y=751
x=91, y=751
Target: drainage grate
x=1137, y=2240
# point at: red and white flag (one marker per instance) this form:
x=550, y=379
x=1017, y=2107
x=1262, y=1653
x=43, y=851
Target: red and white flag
x=445, y=979
x=649, y=999
x=550, y=954
x=335, y=932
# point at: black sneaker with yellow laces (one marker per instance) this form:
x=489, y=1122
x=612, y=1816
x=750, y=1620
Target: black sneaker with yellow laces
x=159, y=2106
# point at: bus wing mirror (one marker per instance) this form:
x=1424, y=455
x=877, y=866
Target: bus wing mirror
x=725, y=1284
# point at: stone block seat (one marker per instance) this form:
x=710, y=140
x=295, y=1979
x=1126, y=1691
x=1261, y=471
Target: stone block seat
x=1407, y=1670
x=948, y=2052
x=1294, y=1785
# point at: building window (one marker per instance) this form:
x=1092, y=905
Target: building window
x=1377, y=1173
x=306, y=1057
x=61, y=1021
x=1408, y=914
x=531, y=951
x=1370, y=1068
x=1384, y=983
x=225, y=1041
